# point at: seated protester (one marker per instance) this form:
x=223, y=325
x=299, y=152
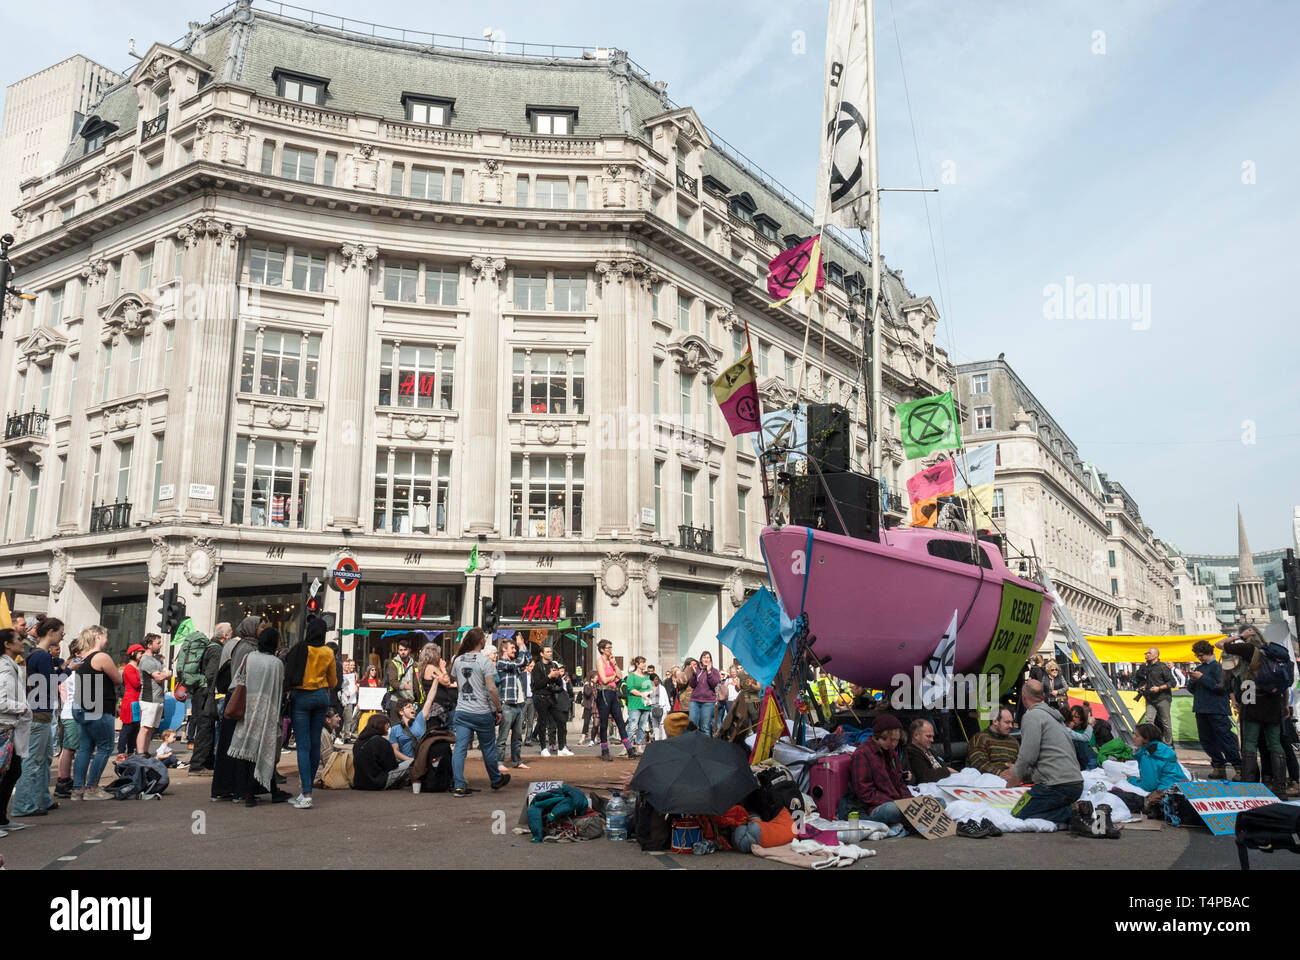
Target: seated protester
x=876, y=775
x=331, y=729
x=994, y=749
x=1158, y=767
x=406, y=733
x=922, y=764
x=374, y=758
x=1047, y=760
x=1076, y=726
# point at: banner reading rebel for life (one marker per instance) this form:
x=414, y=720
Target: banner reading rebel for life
x=1013, y=637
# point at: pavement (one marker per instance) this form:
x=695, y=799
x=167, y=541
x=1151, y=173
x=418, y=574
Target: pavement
x=400, y=830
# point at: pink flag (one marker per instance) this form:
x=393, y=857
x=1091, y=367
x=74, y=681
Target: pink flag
x=788, y=268
x=933, y=482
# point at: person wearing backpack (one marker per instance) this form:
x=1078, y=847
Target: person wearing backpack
x=403, y=679
x=201, y=681
x=1263, y=696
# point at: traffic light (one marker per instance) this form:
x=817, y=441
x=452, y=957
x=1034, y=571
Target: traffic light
x=489, y=617
x=172, y=612
x=6, y=276
x=311, y=598
x=1288, y=588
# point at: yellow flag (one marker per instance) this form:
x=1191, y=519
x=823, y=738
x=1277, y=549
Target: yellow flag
x=6, y=621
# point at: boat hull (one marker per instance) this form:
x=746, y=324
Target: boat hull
x=878, y=610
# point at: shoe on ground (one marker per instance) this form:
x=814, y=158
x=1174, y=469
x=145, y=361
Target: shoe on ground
x=251, y=802
x=1217, y=773
x=281, y=796
x=972, y=830
x=32, y=813
x=545, y=752
x=505, y=779
x=99, y=794
x=199, y=772
x=991, y=827
x=565, y=752
x=4, y=833
x=1293, y=789
x=281, y=778
x=604, y=755
x=13, y=825
x=76, y=794
x=461, y=792
x=301, y=802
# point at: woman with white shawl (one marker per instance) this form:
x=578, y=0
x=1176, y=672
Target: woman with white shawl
x=257, y=735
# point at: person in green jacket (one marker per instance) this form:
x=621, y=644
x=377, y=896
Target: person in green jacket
x=1158, y=766
x=638, y=704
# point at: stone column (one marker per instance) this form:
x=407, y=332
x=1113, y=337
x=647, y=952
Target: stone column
x=75, y=516
x=618, y=286
x=206, y=345
x=346, y=415
x=77, y=603
x=483, y=429
x=641, y=433
x=728, y=523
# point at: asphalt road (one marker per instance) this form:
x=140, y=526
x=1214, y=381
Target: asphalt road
x=401, y=830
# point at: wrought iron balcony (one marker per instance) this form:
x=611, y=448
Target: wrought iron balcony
x=20, y=426
x=110, y=516
x=695, y=538
x=151, y=128
x=689, y=184
x=896, y=503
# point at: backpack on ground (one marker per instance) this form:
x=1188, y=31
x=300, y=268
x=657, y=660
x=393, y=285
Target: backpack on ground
x=1276, y=672
x=189, y=663
x=142, y=777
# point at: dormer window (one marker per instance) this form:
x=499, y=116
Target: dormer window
x=714, y=185
x=743, y=207
x=433, y=111
x=94, y=131
x=552, y=121
x=835, y=274
x=855, y=284
x=300, y=87
x=793, y=240
x=766, y=226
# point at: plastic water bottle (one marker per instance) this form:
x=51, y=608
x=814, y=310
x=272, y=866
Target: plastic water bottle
x=616, y=818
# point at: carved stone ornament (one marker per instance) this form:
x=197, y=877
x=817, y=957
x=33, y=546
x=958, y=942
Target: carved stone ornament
x=735, y=587
x=613, y=576
x=58, y=574
x=201, y=127
x=650, y=579
x=279, y=416
x=647, y=178
x=619, y=270
x=692, y=355
x=367, y=150
x=486, y=268
x=122, y=416
x=158, y=558
x=688, y=128
x=235, y=125
x=417, y=428
x=94, y=269
x=613, y=171
x=649, y=277
x=548, y=433
x=225, y=233
x=728, y=319
x=491, y=164
x=200, y=562
x=358, y=255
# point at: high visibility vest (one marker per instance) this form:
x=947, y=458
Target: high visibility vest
x=417, y=688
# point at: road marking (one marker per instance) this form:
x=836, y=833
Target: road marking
x=81, y=849
x=67, y=858
x=92, y=841
x=666, y=860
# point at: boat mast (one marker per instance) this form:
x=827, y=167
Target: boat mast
x=873, y=319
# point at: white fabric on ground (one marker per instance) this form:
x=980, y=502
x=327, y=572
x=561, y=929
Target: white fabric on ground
x=851, y=831
x=1000, y=817
x=838, y=856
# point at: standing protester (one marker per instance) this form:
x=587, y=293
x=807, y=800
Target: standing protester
x=548, y=700
x=511, y=669
x=1047, y=759
x=310, y=673
x=660, y=704
x=153, y=692
x=15, y=721
x=32, y=795
x=203, y=696
x=639, y=687
x=704, y=680
x=1055, y=687
x=226, y=779
x=1156, y=682
x=608, y=677
x=255, y=742
x=1213, y=712
x=402, y=679
x=478, y=711
x=98, y=681
x=1261, y=710
x=348, y=694
x=437, y=683
x=588, y=695
x=69, y=738
x=130, y=708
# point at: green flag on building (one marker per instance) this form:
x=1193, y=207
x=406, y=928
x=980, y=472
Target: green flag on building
x=473, y=560
x=928, y=424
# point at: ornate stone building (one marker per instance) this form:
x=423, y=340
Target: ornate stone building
x=305, y=293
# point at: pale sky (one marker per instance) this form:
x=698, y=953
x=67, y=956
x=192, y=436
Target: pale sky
x=1075, y=142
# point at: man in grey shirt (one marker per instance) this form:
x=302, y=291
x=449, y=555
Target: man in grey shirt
x=1047, y=759
x=153, y=679
x=478, y=711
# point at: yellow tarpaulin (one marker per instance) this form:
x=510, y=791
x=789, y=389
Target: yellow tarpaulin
x=1133, y=649
x=6, y=623
x=1136, y=708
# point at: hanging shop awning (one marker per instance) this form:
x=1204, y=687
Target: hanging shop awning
x=1133, y=649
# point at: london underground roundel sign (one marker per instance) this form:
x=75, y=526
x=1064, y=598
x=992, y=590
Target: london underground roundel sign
x=346, y=574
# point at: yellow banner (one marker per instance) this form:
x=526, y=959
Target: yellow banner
x=1133, y=649
x=6, y=623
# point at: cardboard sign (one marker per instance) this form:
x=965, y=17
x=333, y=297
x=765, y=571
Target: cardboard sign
x=1006, y=797
x=927, y=816
x=1013, y=637
x=1218, y=802
x=533, y=790
x=370, y=698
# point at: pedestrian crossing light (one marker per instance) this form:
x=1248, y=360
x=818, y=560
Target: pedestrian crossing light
x=172, y=612
x=489, y=617
x=311, y=598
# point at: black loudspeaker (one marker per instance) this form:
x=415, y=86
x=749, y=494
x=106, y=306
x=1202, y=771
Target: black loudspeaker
x=828, y=437
x=857, y=496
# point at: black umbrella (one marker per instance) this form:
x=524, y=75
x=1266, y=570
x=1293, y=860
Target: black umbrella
x=694, y=773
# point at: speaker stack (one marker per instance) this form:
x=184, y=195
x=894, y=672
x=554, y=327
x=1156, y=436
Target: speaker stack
x=855, y=494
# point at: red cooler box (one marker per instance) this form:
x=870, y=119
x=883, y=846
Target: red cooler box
x=829, y=781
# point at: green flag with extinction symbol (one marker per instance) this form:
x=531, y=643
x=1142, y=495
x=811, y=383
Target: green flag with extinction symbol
x=928, y=424
x=473, y=560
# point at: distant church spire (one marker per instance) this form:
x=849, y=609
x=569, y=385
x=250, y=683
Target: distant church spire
x=1245, y=562
x=1247, y=588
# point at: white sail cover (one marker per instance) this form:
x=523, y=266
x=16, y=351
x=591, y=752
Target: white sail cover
x=843, y=188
